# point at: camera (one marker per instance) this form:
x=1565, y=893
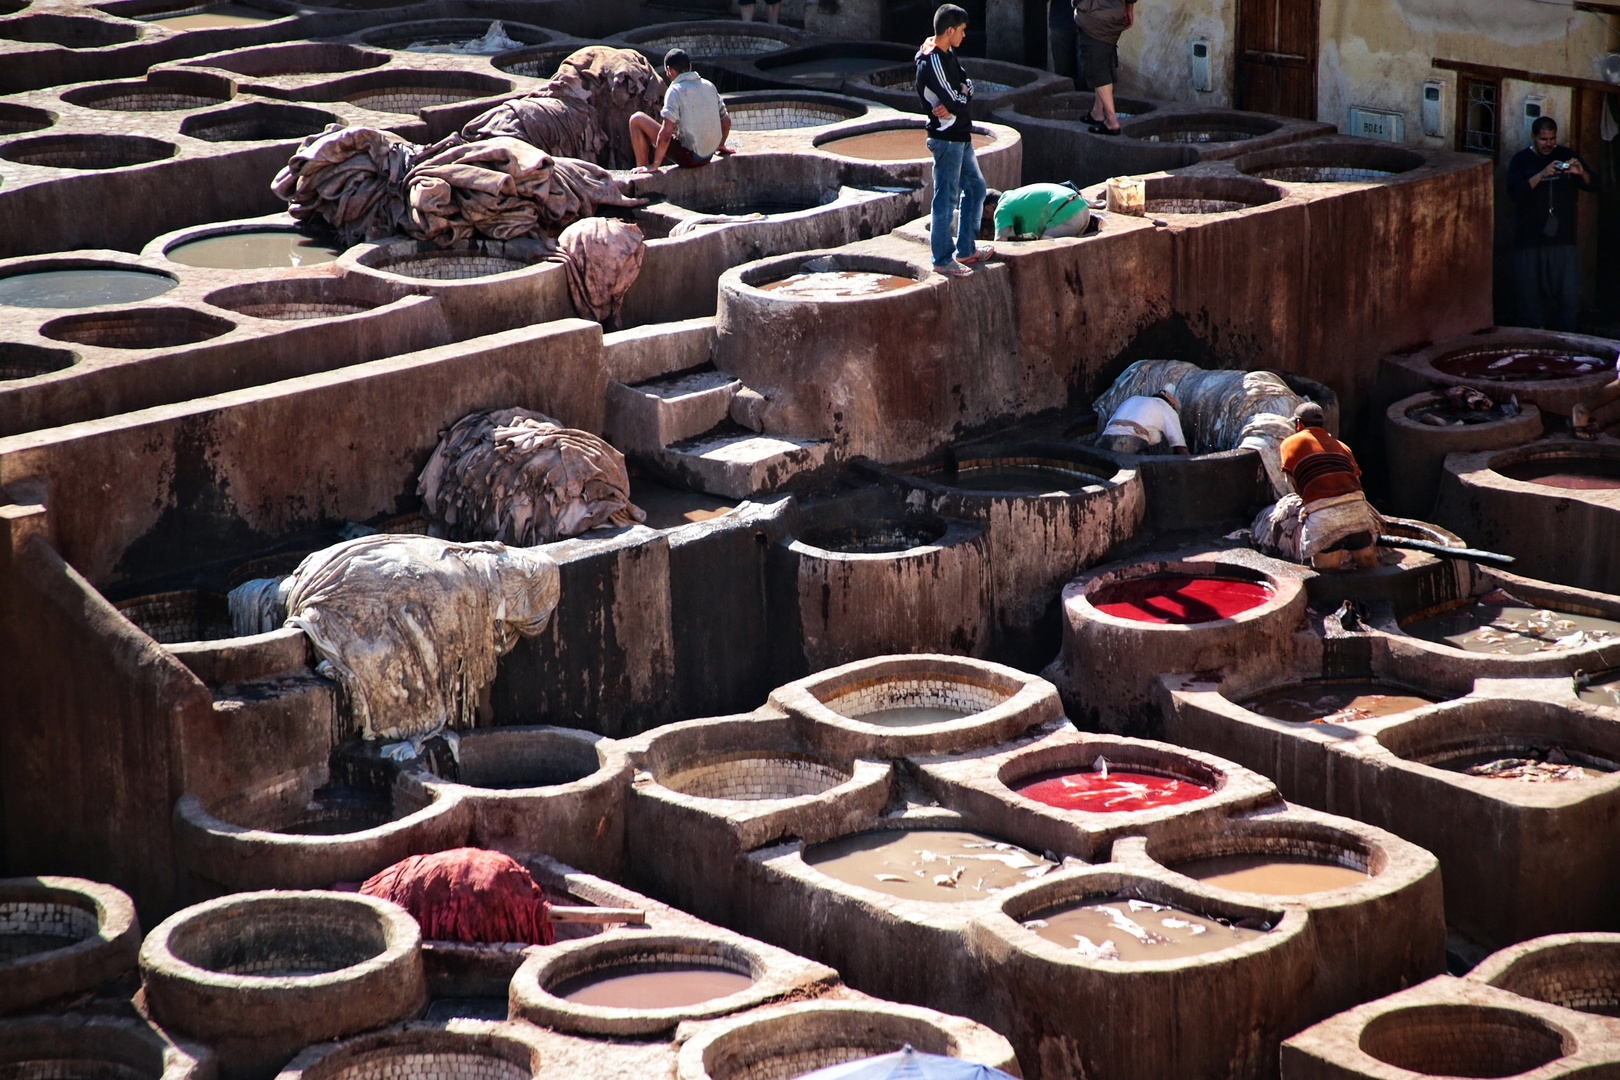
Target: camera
x=1561, y=166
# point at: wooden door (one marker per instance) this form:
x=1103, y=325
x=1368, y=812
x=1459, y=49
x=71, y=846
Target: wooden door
x=1276, y=60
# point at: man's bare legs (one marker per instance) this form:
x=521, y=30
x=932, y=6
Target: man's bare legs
x=1105, y=98
x=643, y=136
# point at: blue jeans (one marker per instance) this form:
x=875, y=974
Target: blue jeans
x=1546, y=276
x=956, y=178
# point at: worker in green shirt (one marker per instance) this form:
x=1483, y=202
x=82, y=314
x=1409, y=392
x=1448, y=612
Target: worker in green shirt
x=1041, y=212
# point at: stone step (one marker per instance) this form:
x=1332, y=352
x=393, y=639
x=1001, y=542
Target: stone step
x=647, y=352
x=644, y=418
x=737, y=464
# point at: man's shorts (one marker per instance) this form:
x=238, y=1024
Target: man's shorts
x=683, y=157
x=1099, y=61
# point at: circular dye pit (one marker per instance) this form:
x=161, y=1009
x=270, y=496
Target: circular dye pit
x=1505, y=365
x=1603, y=690
x=892, y=144
x=184, y=615
x=18, y=361
x=213, y=18
x=45, y=922
x=937, y=865
x=1335, y=702
x=1180, y=599
x=652, y=986
x=1272, y=875
x=780, y=114
x=911, y=716
x=1193, y=206
x=254, y=249
x=875, y=537
x=752, y=776
x=1130, y=929
x=515, y=760
x=1106, y=789
x=1571, y=474
x=16, y=119
x=1496, y=623
x=1197, y=135
x=1018, y=476
x=1461, y=1040
x=1526, y=762
x=87, y=151
x=336, y=817
x=836, y=284
x=90, y=287
x=1323, y=174
x=827, y=68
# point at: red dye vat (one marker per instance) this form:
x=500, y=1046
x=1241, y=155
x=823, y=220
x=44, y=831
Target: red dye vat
x=1506, y=364
x=1178, y=598
x=1114, y=793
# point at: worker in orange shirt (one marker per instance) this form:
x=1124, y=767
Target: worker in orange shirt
x=1336, y=523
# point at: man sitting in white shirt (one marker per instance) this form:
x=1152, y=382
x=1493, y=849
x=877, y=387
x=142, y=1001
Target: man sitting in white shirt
x=1145, y=425
x=695, y=122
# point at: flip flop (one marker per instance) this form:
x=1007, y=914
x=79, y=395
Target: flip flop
x=954, y=269
x=984, y=254
x=1100, y=129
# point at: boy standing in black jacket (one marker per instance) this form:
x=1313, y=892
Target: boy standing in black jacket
x=945, y=91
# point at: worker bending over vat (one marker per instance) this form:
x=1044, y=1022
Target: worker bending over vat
x=1041, y=212
x=1327, y=520
x=1146, y=425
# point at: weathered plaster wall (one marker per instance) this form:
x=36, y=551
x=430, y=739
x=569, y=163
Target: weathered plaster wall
x=1379, y=53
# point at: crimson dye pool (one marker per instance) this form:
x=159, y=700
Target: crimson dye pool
x=1178, y=598
x=1110, y=791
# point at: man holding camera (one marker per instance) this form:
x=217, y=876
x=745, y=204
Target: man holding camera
x=1544, y=181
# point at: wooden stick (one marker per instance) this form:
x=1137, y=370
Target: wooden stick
x=630, y=916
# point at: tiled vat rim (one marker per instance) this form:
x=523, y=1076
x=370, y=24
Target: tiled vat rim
x=716, y=43
x=778, y=115
x=1468, y=1012
x=69, y=908
x=418, y=1050
x=436, y=802
x=401, y=938
x=752, y=775
x=843, y=694
x=775, y=975
x=786, y=1041
x=98, y=1048
x=1572, y=971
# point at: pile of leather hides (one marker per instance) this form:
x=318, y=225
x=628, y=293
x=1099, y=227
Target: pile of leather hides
x=523, y=478
x=352, y=178
x=583, y=111
x=467, y=894
x=503, y=189
x=1220, y=410
x=603, y=257
x=412, y=627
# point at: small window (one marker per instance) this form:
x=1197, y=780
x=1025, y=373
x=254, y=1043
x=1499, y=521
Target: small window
x=1478, y=112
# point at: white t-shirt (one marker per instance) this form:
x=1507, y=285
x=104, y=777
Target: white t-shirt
x=1153, y=415
x=695, y=106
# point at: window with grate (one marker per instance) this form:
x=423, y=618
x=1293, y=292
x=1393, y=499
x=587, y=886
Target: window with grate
x=1478, y=111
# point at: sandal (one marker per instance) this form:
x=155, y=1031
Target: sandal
x=1101, y=129
x=982, y=255
x=954, y=269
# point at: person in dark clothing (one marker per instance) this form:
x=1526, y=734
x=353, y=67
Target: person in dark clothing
x=1061, y=33
x=1099, y=23
x=1544, y=180
x=946, y=92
